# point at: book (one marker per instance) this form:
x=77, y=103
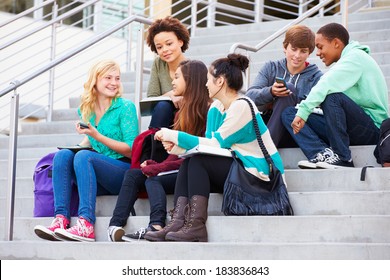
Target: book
x=74, y=148
x=208, y=150
x=146, y=105
x=167, y=172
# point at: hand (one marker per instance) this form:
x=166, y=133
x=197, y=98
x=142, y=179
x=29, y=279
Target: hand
x=279, y=90
x=168, y=146
x=159, y=135
x=81, y=130
x=91, y=131
x=142, y=165
x=297, y=124
x=177, y=100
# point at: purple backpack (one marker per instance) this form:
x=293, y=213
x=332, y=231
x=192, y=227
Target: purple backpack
x=43, y=189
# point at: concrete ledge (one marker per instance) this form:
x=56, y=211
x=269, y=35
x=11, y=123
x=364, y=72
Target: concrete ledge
x=264, y=229
x=31, y=250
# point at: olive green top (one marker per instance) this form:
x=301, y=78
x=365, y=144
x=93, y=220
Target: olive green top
x=160, y=82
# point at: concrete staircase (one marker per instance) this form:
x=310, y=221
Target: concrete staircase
x=338, y=216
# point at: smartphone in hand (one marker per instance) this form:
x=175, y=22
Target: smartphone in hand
x=281, y=81
x=83, y=125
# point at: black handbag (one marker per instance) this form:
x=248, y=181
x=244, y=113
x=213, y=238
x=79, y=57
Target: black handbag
x=245, y=194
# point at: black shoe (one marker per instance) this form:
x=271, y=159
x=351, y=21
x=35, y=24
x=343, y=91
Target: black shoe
x=335, y=163
x=139, y=234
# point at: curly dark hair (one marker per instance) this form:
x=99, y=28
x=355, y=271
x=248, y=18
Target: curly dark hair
x=168, y=24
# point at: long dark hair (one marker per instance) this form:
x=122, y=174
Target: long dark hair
x=193, y=112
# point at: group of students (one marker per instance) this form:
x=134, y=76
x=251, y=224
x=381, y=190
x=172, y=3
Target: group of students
x=207, y=109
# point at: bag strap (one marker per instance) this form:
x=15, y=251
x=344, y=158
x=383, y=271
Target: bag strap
x=258, y=135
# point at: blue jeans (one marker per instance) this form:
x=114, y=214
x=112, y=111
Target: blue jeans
x=279, y=134
x=95, y=174
x=344, y=123
x=162, y=115
x=157, y=188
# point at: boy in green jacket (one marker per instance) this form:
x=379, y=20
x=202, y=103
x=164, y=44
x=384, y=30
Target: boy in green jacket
x=353, y=98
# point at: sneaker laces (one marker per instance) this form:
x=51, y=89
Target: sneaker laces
x=81, y=228
x=323, y=156
x=333, y=159
x=140, y=233
x=58, y=222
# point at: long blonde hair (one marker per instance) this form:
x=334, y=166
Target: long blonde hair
x=89, y=96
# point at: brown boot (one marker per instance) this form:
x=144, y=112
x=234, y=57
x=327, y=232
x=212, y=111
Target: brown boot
x=177, y=221
x=194, y=228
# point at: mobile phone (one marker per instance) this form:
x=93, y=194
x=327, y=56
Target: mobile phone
x=83, y=125
x=281, y=81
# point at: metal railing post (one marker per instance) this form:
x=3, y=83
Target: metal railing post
x=12, y=154
x=52, y=70
x=194, y=18
x=38, y=14
x=259, y=10
x=129, y=41
x=344, y=13
x=139, y=71
x=211, y=13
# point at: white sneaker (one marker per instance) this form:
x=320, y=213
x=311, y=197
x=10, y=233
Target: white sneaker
x=320, y=157
x=115, y=233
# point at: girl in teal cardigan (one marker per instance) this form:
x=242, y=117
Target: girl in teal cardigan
x=229, y=125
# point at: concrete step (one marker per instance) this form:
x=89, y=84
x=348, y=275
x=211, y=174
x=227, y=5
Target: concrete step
x=264, y=229
x=65, y=114
x=348, y=180
x=304, y=203
x=25, y=153
x=24, y=187
x=60, y=126
x=37, y=250
x=37, y=141
x=361, y=155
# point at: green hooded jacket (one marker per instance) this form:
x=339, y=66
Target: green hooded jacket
x=358, y=76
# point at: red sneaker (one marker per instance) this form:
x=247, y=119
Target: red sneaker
x=47, y=233
x=82, y=231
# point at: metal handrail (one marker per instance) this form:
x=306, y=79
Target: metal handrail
x=74, y=51
x=15, y=106
x=26, y=12
x=275, y=35
x=49, y=23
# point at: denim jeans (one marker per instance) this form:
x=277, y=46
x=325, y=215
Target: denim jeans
x=95, y=174
x=344, y=123
x=162, y=115
x=312, y=138
x=279, y=134
x=157, y=188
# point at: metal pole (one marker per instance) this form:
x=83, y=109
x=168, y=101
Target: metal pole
x=139, y=71
x=52, y=70
x=194, y=18
x=211, y=16
x=12, y=154
x=259, y=10
x=344, y=13
x=129, y=40
x=38, y=14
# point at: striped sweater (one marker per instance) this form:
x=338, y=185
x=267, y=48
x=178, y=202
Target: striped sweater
x=231, y=129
